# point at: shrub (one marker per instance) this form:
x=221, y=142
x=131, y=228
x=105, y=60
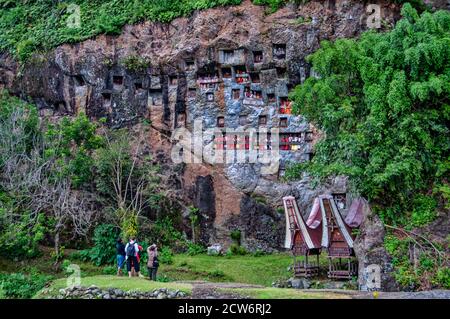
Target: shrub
x=424, y=210
x=236, y=236
x=165, y=256
x=259, y=253
x=135, y=63
x=109, y=270
x=104, y=250
x=195, y=249
x=443, y=277
x=22, y=286
x=238, y=250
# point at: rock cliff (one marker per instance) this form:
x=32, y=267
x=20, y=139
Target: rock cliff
x=229, y=67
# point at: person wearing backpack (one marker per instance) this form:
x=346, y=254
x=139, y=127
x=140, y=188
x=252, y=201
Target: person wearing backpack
x=152, y=262
x=131, y=250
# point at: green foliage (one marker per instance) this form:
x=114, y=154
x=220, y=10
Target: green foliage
x=236, y=249
x=109, y=270
x=195, y=249
x=19, y=239
x=259, y=253
x=165, y=256
x=424, y=210
x=17, y=285
x=382, y=102
x=236, y=236
x=136, y=63
x=72, y=142
x=273, y=5
x=404, y=273
x=426, y=272
x=29, y=27
x=104, y=250
x=443, y=277
x=165, y=234
x=26, y=27
x=216, y=273
x=129, y=224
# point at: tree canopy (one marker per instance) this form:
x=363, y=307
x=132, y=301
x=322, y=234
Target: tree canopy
x=382, y=102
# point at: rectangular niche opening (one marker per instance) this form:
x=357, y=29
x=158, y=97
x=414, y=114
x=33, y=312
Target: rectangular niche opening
x=118, y=82
x=106, y=99
x=285, y=105
x=192, y=93
x=281, y=172
x=220, y=121
x=262, y=120
x=59, y=107
x=190, y=65
x=155, y=97
x=79, y=80
x=243, y=120
x=236, y=94
x=173, y=80
x=271, y=98
x=226, y=73
x=257, y=56
x=241, y=74
x=281, y=72
x=254, y=76
x=308, y=136
x=138, y=87
x=283, y=122
x=290, y=141
x=252, y=94
x=279, y=51
x=207, y=80
x=210, y=97
x=181, y=119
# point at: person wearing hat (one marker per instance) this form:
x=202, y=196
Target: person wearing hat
x=152, y=263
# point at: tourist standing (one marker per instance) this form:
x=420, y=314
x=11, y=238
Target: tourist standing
x=132, y=250
x=120, y=250
x=152, y=263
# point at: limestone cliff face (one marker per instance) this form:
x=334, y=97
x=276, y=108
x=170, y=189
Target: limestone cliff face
x=232, y=65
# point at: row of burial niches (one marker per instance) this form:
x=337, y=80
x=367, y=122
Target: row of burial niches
x=234, y=79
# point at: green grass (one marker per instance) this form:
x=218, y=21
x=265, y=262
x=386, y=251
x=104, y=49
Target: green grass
x=247, y=269
x=262, y=270
x=124, y=283
x=283, y=293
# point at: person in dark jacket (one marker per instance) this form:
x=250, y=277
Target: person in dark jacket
x=152, y=262
x=120, y=251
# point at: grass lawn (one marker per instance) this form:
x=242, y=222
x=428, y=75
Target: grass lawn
x=261, y=270
x=124, y=283
x=284, y=293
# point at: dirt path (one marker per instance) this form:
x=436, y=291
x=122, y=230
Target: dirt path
x=211, y=290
